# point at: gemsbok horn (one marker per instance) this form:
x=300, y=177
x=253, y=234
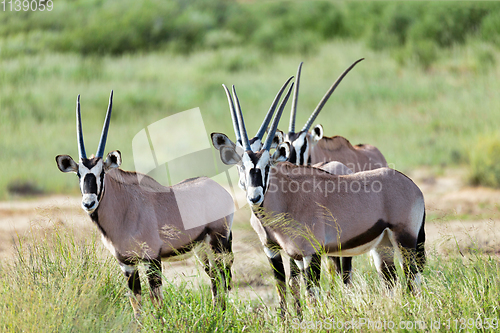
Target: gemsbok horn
x=304, y=210
x=141, y=220
x=312, y=147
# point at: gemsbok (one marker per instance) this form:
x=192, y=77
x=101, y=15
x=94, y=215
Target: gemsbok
x=304, y=211
x=312, y=148
x=142, y=221
x=219, y=140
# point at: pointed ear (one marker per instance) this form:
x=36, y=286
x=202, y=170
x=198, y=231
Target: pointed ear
x=66, y=164
x=113, y=160
x=229, y=156
x=279, y=137
x=317, y=132
x=281, y=154
x=221, y=140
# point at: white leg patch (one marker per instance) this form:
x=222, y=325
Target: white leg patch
x=307, y=261
x=271, y=253
x=127, y=268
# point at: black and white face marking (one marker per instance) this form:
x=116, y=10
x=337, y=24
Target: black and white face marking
x=299, y=153
x=256, y=168
x=90, y=173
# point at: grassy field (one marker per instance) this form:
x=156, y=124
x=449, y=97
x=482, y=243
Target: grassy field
x=415, y=117
x=61, y=281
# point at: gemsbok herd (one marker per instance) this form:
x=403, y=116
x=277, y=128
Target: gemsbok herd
x=309, y=196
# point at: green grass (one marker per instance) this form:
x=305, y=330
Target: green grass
x=59, y=282
x=414, y=117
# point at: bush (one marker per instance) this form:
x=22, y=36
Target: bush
x=485, y=162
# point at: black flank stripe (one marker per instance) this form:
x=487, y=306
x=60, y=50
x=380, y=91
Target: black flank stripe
x=367, y=236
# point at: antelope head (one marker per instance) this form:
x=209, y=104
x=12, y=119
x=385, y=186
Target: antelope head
x=301, y=142
x=254, y=166
x=220, y=140
x=91, y=171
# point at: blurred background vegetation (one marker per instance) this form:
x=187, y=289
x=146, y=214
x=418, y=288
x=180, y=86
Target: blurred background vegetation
x=426, y=95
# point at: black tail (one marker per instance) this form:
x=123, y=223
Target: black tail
x=420, y=246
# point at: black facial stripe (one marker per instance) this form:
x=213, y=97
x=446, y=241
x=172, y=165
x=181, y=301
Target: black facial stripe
x=102, y=186
x=89, y=184
x=266, y=175
x=255, y=177
x=293, y=155
x=302, y=153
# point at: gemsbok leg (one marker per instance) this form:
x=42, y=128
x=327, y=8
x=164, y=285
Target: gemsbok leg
x=343, y=267
x=276, y=262
x=217, y=265
x=131, y=272
x=154, y=274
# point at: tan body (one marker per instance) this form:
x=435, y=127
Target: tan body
x=145, y=221
x=337, y=148
x=330, y=217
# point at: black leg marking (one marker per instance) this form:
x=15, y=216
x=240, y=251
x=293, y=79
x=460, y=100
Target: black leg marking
x=312, y=274
x=408, y=248
x=295, y=286
x=133, y=281
x=154, y=277
x=421, y=247
x=343, y=266
x=220, y=270
x=280, y=277
x=134, y=284
x=389, y=274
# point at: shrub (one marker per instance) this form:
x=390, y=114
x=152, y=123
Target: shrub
x=485, y=162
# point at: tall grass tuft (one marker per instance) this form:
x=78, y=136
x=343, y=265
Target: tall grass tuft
x=58, y=283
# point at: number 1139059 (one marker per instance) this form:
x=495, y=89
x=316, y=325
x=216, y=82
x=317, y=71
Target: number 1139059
x=26, y=5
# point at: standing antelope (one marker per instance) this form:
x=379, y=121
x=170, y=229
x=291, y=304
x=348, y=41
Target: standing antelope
x=380, y=210
x=312, y=148
x=220, y=140
x=142, y=221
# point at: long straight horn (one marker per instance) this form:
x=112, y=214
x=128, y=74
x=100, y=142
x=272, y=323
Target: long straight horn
x=234, y=117
x=276, y=120
x=293, y=113
x=269, y=115
x=327, y=96
x=241, y=122
x=104, y=134
x=79, y=132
